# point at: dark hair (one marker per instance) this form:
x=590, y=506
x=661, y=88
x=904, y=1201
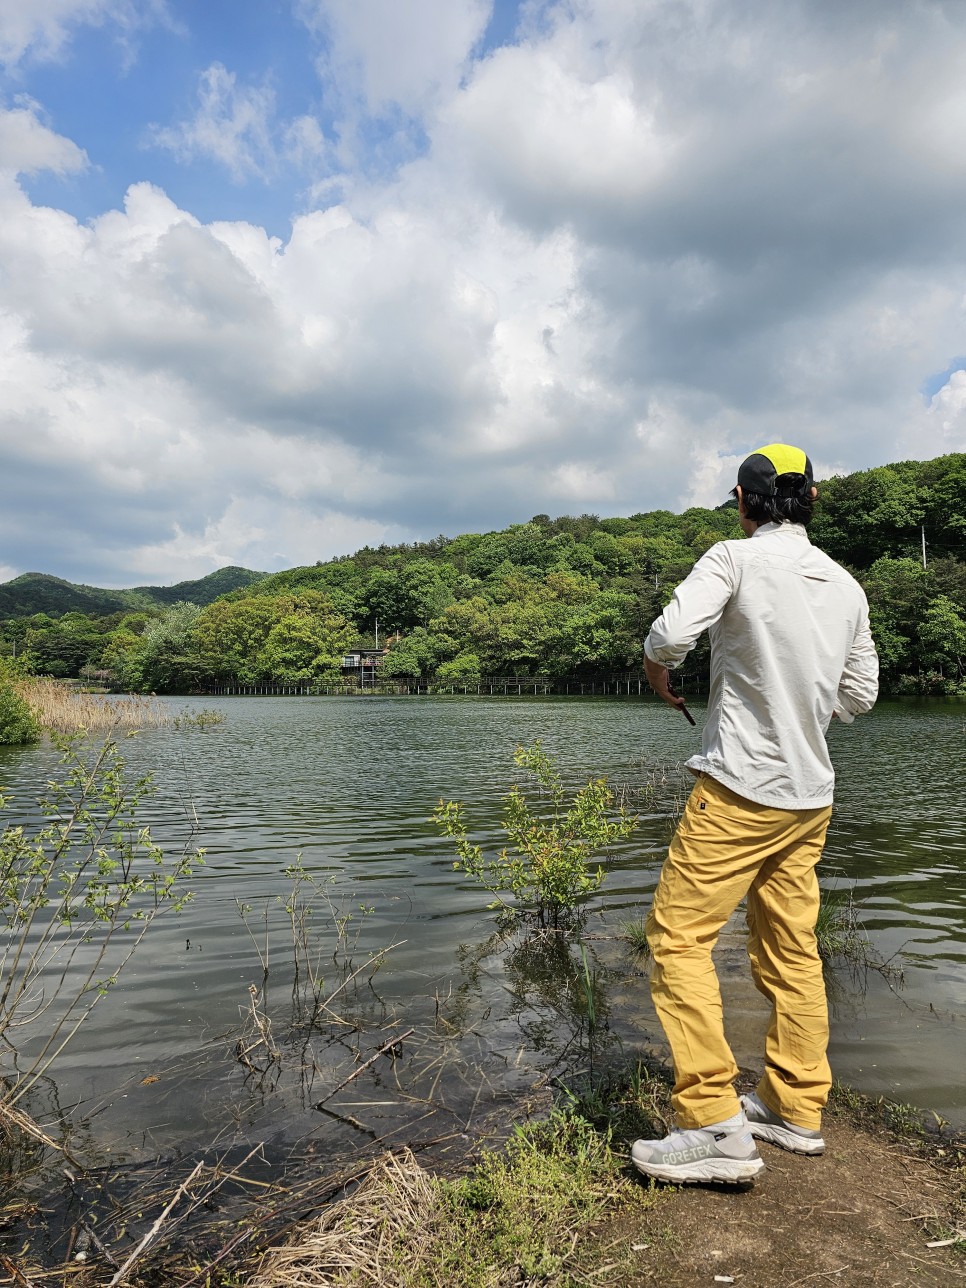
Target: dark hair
x=787, y=507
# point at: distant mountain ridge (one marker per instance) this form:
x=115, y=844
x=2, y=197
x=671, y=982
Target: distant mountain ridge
x=38, y=592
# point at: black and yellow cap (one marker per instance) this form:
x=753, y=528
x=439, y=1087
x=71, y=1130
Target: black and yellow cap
x=775, y=469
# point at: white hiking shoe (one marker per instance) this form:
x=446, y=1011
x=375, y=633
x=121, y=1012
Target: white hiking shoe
x=764, y=1125
x=724, y=1151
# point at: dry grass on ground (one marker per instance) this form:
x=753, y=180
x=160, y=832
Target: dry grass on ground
x=397, y=1208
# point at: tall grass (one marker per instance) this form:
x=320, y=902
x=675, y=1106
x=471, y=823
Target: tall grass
x=838, y=930
x=61, y=709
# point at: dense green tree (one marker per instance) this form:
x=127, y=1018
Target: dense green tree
x=428, y=588
x=244, y=640
x=898, y=593
x=947, y=577
x=384, y=600
x=63, y=646
x=942, y=637
x=230, y=634
x=522, y=544
x=943, y=489
x=413, y=656
x=304, y=648
x=169, y=657
x=863, y=516
x=465, y=668
x=123, y=659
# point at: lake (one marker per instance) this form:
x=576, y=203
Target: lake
x=349, y=784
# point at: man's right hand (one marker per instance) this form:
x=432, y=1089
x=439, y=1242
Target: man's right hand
x=660, y=681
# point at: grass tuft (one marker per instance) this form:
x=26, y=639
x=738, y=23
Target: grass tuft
x=206, y=718
x=635, y=933
x=517, y=1217
x=838, y=929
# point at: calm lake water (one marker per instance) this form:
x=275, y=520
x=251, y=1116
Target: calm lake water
x=349, y=785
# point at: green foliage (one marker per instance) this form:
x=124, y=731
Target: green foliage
x=465, y=668
x=17, y=722
x=61, y=648
x=556, y=597
x=865, y=515
x=78, y=893
x=292, y=639
x=168, y=656
x=304, y=648
x=517, y=1209
x=203, y=590
x=413, y=656
x=545, y=866
x=942, y=636
x=123, y=659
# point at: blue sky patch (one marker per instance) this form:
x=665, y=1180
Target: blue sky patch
x=932, y=384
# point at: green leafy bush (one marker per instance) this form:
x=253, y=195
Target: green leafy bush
x=79, y=890
x=546, y=865
x=17, y=723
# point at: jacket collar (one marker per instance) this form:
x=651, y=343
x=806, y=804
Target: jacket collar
x=792, y=530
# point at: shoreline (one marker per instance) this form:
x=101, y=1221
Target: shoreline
x=551, y=1199
x=559, y=1204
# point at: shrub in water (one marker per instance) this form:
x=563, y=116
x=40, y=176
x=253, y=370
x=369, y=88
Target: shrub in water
x=546, y=866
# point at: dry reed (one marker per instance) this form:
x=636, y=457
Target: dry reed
x=62, y=709
x=374, y=1236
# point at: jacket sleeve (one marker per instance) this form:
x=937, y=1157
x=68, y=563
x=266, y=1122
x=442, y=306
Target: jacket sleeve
x=697, y=604
x=859, y=685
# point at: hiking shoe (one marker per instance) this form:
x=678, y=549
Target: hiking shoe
x=764, y=1125
x=723, y=1152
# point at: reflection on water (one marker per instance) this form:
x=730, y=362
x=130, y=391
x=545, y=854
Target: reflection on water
x=349, y=785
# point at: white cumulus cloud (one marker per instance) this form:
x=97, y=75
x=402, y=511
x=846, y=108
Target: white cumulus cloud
x=640, y=241
x=28, y=146
x=389, y=54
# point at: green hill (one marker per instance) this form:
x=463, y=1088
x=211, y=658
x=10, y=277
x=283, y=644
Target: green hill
x=565, y=597
x=37, y=592
x=203, y=591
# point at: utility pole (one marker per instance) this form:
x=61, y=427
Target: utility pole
x=923, y=545
x=377, y=624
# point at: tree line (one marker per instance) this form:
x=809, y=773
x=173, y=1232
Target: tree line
x=570, y=596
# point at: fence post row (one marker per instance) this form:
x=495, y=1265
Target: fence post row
x=627, y=684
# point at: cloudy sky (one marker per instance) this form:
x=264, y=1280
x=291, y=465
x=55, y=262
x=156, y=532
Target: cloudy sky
x=279, y=278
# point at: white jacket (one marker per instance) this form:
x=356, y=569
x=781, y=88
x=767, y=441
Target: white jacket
x=790, y=645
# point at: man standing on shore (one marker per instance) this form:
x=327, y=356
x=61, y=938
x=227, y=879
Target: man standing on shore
x=790, y=649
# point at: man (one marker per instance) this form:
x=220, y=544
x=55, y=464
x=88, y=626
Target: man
x=790, y=649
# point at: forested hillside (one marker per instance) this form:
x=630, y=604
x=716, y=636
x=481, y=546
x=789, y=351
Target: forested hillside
x=65, y=626
x=38, y=592
x=552, y=597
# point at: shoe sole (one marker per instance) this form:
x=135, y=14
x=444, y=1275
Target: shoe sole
x=787, y=1140
x=726, y=1171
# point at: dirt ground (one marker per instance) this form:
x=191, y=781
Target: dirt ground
x=861, y=1216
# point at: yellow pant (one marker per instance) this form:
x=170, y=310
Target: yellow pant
x=727, y=847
